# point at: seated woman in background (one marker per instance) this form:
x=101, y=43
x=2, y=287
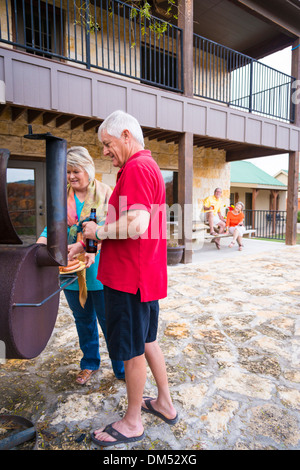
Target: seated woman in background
x=235, y=225
x=83, y=193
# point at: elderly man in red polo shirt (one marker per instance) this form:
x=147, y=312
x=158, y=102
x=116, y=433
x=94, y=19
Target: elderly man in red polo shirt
x=133, y=270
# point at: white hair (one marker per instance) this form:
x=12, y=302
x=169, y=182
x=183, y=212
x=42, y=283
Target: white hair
x=241, y=204
x=79, y=157
x=117, y=122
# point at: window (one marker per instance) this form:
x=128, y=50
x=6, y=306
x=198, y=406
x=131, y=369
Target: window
x=248, y=201
x=171, y=183
x=26, y=195
x=159, y=66
x=39, y=26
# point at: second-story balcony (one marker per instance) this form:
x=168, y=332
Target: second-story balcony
x=114, y=37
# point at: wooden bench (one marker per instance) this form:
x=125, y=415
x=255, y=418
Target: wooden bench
x=201, y=231
x=247, y=234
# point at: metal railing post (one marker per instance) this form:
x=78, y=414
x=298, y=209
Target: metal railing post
x=251, y=86
x=87, y=34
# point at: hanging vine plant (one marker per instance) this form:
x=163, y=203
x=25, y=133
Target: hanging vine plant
x=140, y=8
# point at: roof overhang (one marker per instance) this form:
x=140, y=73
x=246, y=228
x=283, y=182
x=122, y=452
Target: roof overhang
x=258, y=186
x=254, y=27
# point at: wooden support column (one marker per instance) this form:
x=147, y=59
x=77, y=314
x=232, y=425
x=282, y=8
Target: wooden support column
x=292, y=199
x=186, y=23
x=273, y=199
x=254, y=196
x=185, y=145
x=273, y=207
x=185, y=192
x=293, y=178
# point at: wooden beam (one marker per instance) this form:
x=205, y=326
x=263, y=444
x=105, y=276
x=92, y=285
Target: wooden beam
x=91, y=124
x=174, y=139
x=185, y=192
x=48, y=117
x=292, y=199
x=185, y=22
x=159, y=135
x=78, y=121
x=254, y=196
x=293, y=175
x=251, y=151
x=268, y=46
x=273, y=204
x=16, y=112
x=163, y=136
x=63, y=119
x=2, y=108
x=33, y=114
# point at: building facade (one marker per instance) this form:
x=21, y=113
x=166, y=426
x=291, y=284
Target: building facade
x=283, y=177
x=194, y=83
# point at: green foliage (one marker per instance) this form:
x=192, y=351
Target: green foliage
x=140, y=8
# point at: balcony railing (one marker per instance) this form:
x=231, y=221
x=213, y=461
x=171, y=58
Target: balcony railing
x=222, y=74
x=268, y=224
x=103, y=34
x=113, y=36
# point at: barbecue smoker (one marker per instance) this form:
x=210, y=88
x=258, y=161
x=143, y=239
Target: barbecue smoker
x=29, y=275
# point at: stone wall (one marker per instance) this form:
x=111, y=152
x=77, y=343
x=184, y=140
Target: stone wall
x=210, y=171
x=210, y=167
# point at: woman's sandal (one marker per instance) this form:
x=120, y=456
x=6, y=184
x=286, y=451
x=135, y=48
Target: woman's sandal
x=84, y=375
x=231, y=244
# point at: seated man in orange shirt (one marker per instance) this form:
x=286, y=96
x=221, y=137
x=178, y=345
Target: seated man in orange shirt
x=235, y=225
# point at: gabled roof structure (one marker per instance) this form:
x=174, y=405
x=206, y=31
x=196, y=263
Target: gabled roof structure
x=244, y=173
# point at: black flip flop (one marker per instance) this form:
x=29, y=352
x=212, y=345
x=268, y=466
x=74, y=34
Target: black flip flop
x=151, y=410
x=120, y=438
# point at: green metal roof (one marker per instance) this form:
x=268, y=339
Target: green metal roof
x=247, y=173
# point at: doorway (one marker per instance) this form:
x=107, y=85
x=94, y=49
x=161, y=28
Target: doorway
x=26, y=195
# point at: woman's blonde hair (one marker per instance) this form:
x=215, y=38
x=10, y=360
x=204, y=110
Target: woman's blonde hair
x=79, y=157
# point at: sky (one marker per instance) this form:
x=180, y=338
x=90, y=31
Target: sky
x=15, y=174
x=280, y=61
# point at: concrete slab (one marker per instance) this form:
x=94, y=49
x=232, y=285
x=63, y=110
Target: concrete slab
x=208, y=252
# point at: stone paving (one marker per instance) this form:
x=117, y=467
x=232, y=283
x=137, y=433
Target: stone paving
x=230, y=332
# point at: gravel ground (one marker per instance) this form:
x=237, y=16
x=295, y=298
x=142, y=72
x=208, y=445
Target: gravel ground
x=230, y=333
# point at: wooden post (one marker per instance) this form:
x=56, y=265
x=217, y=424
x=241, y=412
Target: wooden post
x=185, y=192
x=293, y=177
x=185, y=146
x=273, y=207
x=254, y=196
x=185, y=22
x=292, y=199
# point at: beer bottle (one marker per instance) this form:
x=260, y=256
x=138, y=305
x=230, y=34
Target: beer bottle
x=91, y=245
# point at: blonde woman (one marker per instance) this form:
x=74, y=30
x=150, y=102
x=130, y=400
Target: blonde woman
x=83, y=193
x=235, y=225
